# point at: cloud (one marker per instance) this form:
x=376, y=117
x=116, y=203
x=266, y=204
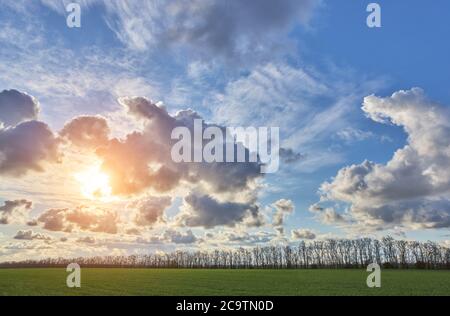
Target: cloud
x=15, y=211
x=87, y=240
x=234, y=237
x=332, y=217
x=133, y=231
x=308, y=105
x=54, y=220
x=260, y=237
x=278, y=93
x=179, y=237
x=303, y=234
x=17, y=107
x=141, y=162
x=86, y=131
x=283, y=208
x=30, y=235
x=205, y=211
x=350, y=134
x=26, y=147
x=413, y=188
x=289, y=156
x=150, y=210
x=230, y=29
x=328, y=215
x=83, y=218
x=32, y=222
x=143, y=159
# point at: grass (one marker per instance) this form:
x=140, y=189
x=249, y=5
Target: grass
x=98, y=281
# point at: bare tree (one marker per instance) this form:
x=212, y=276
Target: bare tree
x=331, y=253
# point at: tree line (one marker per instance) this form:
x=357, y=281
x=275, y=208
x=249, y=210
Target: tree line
x=332, y=253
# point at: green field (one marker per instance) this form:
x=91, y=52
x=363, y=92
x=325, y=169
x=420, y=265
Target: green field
x=222, y=282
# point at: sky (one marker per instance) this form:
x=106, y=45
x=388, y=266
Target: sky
x=86, y=115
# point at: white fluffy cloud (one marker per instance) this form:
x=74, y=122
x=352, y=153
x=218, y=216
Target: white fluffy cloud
x=413, y=188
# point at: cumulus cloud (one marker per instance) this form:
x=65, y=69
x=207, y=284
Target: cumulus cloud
x=80, y=218
x=86, y=131
x=303, y=234
x=26, y=147
x=332, y=217
x=54, y=220
x=17, y=107
x=328, y=215
x=30, y=235
x=150, y=210
x=205, y=211
x=143, y=159
x=283, y=208
x=413, y=188
x=137, y=163
x=15, y=211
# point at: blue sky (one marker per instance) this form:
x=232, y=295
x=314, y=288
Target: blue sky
x=304, y=66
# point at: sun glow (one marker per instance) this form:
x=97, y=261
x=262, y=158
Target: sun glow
x=94, y=184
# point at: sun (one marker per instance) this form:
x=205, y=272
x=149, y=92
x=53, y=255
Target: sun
x=94, y=184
